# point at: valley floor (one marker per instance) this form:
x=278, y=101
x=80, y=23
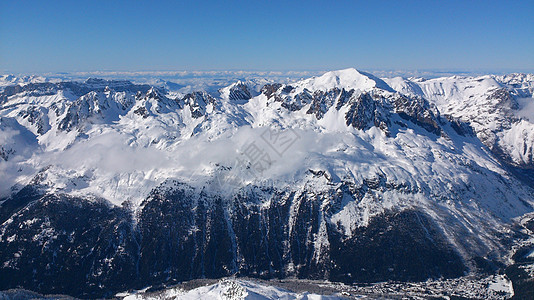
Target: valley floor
x=471, y=287
x=467, y=287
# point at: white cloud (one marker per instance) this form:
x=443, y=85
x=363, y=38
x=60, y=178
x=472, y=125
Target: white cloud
x=526, y=108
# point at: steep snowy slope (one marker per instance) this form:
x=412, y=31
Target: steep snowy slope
x=344, y=176
x=497, y=107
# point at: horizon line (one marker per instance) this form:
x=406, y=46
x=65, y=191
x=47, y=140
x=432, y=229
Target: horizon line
x=269, y=72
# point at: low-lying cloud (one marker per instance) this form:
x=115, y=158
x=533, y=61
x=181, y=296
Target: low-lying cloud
x=526, y=108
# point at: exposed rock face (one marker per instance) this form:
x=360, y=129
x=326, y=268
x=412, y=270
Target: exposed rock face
x=197, y=103
x=418, y=111
x=36, y=117
x=4, y=153
x=365, y=108
x=322, y=101
x=239, y=91
x=363, y=114
x=270, y=89
x=60, y=243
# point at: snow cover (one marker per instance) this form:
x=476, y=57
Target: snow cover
x=490, y=287
x=7, y=80
x=120, y=145
x=501, y=284
x=504, y=124
x=347, y=79
x=229, y=289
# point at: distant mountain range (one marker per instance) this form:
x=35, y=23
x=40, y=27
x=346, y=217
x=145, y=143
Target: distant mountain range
x=109, y=185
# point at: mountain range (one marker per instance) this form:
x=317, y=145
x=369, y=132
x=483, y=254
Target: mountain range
x=109, y=185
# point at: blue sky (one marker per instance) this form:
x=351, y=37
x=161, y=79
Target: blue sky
x=67, y=36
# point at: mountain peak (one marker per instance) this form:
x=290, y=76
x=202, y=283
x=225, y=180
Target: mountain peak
x=347, y=78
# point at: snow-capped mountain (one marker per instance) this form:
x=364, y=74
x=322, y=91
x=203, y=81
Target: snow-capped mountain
x=9, y=80
x=498, y=108
x=345, y=176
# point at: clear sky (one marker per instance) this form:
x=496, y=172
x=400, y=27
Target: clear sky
x=66, y=36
